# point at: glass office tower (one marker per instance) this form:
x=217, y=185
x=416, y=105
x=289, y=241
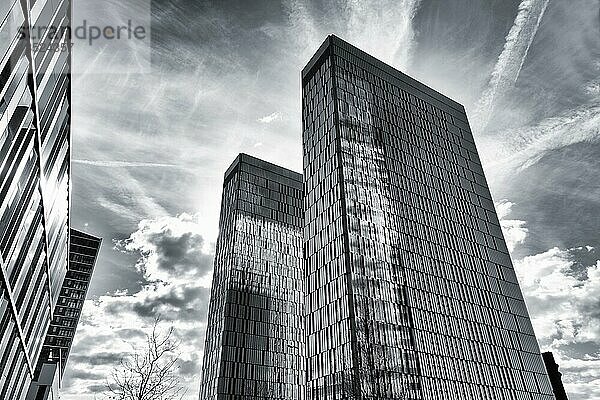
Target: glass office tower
x=410, y=290
x=50, y=368
x=34, y=180
x=255, y=335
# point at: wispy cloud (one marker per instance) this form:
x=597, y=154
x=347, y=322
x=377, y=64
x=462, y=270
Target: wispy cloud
x=521, y=148
x=124, y=164
x=383, y=28
x=510, y=62
x=126, y=196
x=276, y=116
x=302, y=25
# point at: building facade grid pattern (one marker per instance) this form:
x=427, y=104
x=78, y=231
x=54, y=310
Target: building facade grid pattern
x=411, y=293
x=83, y=253
x=34, y=182
x=255, y=336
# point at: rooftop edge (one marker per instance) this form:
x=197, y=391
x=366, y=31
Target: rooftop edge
x=257, y=162
x=333, y=40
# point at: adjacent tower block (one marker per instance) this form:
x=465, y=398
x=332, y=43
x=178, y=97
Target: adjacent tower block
x=410, y=290
x=255, y=335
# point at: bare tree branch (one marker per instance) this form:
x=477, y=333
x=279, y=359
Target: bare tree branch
x=149, y=374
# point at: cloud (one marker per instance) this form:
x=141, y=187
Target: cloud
x=509, y=64
x=85, y=374
x=164, y=132
x=124, y=164
x=579, y=125
x=276, y=116
x=383, y=28
x=303, y=25
x=563, y=297
x=570, y=302
x=514, y=230
x=173, y=302
x=518, y=149
x=100, y=358
x=176, y=266
x=96, y=389
x=116, y=192
x=562, y=291
x=171, y=248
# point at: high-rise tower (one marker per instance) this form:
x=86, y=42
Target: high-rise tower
x=255, y=334
x=34, y=180
x=410, y=290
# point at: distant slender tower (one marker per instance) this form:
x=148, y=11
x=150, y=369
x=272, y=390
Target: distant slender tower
x=410, y=290
x=35, y=131
x=555, y=376
x=255, y=335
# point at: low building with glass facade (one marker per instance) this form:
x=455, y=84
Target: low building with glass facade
x=410, y=290
x=50, y=368
x=35, y=119
x=255, y=335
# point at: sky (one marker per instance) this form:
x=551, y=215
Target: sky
x=156, y=122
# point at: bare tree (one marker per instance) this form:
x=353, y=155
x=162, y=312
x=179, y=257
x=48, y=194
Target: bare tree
x=149, y=373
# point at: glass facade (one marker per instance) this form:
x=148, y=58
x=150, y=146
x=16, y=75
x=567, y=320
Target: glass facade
x=34, y=181
x=83, y=252
x=255, y=335
x=410, y=290
x=50, y=368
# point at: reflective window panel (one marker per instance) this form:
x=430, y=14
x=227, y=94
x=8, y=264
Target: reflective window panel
x=255, y=335
x=34, y=184
x=410, y=291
